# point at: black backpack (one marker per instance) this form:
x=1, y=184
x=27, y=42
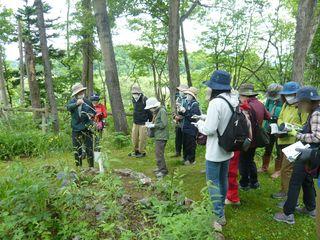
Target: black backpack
x=236, y=132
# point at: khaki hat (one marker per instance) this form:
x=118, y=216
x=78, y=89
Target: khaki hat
x=273, y=91
x=76, y=88
x=136, y=89
x=182, y=87
x=152, y=103
x=247, y=90
x=192, y=91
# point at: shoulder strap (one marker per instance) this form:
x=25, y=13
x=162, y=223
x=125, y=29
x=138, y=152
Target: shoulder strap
x=229, y=104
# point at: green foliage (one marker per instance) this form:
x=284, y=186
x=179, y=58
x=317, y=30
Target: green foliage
x=120, y=140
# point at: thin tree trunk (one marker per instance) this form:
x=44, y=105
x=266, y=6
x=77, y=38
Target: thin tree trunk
x=185, y=56
x=68, y=31
x=47, y=65
x=307, y=23
x=21, y=64
x=3, y=91
x=87, y=50
x=112, y=79
x=32, y=81
x=173, y=50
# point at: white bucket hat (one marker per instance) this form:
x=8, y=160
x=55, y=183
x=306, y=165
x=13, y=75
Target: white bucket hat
x=76, y=88
x=152, y=103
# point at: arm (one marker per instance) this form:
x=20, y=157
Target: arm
x=195, y=110
x=164, y=120
x=314, y=136
x=72, y=105
x=104, y=112
x=210, y=125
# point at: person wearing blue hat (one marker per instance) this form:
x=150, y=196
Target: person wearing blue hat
x=217, y=159
x=289, y=114
x=308, y=101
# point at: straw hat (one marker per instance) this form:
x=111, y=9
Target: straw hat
x=192, y=91
x=182, y=87
x=152, y=103
x=136, y=89
x=77, y=88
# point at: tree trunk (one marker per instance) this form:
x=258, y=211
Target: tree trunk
x=3, y=91
x=87, y=49
x=47, y=65
x=185, y=56
x=112, y=79
x=68, y=31
x=32, y=81
x=307, y=23
x=173, y=50
x=21, y=64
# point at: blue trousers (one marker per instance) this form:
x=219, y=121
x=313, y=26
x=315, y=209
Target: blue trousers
x=217, y=178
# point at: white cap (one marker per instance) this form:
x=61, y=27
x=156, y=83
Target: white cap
x=152, y=103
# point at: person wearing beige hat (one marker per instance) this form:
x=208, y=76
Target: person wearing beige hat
x=82, y=114
x=189, y=131
x=140, y=117
x=180, y=101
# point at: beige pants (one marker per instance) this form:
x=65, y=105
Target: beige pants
x=318, y=211
x=286, y=172
x=139, y=138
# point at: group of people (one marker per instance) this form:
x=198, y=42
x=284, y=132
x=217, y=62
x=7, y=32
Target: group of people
x=290, y=113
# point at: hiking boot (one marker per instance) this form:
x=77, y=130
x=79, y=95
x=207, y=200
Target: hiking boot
x=279, y=195
x=244, y=188
x=161, y=175
x=228, y=202
x=176, y=155
x=304, y=211
x=140, y=155
x=133, y=154
x=255, y=186
x=281, y=217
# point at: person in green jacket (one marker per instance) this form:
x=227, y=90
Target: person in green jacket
x=274, y=106
x=289, y=114
x=159, y=126
x=82, y=112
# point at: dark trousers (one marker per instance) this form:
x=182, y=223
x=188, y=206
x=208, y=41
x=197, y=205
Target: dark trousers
x=160, y=146
x=189, y=147
x=178, y=142
x=269, y=148
x=248, y=168
x=78, y=139
x=300, y=178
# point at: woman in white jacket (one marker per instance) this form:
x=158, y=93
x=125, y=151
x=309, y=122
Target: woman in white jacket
x=217, y=159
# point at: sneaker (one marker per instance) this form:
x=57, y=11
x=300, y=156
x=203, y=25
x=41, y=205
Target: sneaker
x=255, y=186
x=281, y=217
x=222, y=221
x=160, y=175
x=187, y=163
x=244, y=188
x=279, y=195
x=228, y=202
x=304, y=211
x=156, y=170
x=133, y=154
x=140, y=155
x=216, y=226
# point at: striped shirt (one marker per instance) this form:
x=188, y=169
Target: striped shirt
x=314, y=136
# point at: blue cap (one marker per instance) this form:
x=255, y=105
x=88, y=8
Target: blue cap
x=95, y=97
x=307, y=94
x=220, y=80
x=290, y=88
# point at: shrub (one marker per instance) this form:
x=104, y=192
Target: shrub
x=120, y=140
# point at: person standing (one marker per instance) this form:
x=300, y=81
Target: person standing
x=189, y=131
x=273, y=106
x=217, y=159
x=181, y=101
x=159, y=126
x=308, y=100
x=82, y=112
x=258, y=113
x=289, y=114
x=140, y=117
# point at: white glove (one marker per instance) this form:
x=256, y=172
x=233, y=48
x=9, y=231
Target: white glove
x=182, y=109
x=200, y=117
x=151, y=125
x=195, y=124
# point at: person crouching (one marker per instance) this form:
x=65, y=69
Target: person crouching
x=159, y=127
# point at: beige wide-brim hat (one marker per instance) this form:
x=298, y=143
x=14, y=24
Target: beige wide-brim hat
x=182, y=87
x=136, y=89
x=152, y=103
x=77, y=88
x=192, y=91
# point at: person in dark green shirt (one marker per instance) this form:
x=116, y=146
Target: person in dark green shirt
x=82, y=112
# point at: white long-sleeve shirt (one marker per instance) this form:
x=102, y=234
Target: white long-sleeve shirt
x=218, y=117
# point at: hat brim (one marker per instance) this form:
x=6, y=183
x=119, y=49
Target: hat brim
x=217, y=86
x=158, y=104
x=248, y=94
x=78, y=91
x=297, y=100
x=191, y=93
x=181, y=89
x=287, y=92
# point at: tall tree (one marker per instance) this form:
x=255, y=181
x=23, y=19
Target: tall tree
x=173, y=50
x=87, y=45
x=307, y=22
x=112, y=79
x=47, y=65
x=21, y=63
x=3, y=90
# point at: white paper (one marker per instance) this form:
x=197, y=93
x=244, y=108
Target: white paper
x=290, y=151
x=98, y=159
x=275, y=129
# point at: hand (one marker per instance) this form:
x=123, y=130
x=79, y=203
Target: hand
x=151, y=125
x=182, y=109
x=195, y=124
x=305, y=154
x=199, y=117
x=80, y=101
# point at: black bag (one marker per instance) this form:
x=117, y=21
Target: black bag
x=150, y=132
x=201, y=139
x=237, y=131
x=261, y=138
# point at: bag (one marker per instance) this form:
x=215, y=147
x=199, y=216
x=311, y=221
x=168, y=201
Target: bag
x=260, y=135
x=150, y=132
x=201, y=139
x=236, y=132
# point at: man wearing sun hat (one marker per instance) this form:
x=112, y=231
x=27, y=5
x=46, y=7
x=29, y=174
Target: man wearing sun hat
x=189, y=131
x=82, y=113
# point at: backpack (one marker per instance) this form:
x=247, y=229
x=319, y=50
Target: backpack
x=236, y=132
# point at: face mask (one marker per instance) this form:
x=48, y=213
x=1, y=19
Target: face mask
x=289, y=98
x=81, y=96
x=182, y=94
x=208, y=94
x=136, y=97
x=189, y=98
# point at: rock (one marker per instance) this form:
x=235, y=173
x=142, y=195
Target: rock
x=125, y=199
x=142, y=178
x=145, y=202
x=124, y=172
x=219, y=236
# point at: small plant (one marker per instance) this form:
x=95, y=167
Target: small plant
x=120, y=140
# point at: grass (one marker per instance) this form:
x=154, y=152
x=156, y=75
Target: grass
x=252, y=220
